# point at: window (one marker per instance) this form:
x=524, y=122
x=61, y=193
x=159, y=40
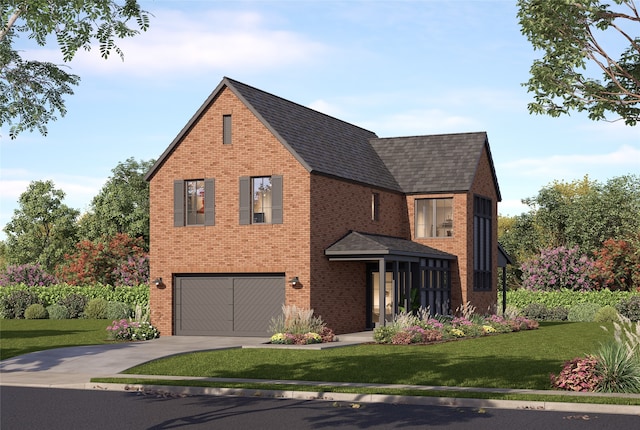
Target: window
x=194, y=202
x=434, y=217
x=226, y=129
x=482, y=243
x=375, y=206
x=261, y=200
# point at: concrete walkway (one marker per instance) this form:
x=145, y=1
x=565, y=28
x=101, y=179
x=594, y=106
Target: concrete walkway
x=75, y=366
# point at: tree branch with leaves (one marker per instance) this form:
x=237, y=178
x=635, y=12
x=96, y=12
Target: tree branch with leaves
x=591, y=60
x=32, y=92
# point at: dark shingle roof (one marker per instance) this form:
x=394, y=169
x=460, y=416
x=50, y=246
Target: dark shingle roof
x=323, y=144
x=435, y=163
x=327, y=145
x=365, y=244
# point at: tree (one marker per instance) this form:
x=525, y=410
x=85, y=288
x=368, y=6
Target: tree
x=578, y=38
x=586, y=213
x=122, y=206
x=32, y=92
x=42, y=229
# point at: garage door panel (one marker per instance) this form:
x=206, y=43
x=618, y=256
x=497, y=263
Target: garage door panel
x=256, y=301
x=222, y=305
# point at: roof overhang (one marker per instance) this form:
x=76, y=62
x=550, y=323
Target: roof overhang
x=356, y=246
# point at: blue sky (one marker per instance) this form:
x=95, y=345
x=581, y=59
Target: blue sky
x=397, y=68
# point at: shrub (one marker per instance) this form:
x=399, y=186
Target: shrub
x=606, y=314
x=57, y=312
x=103, y=261
x=384, y=334
x=579, y=374
x=27, y=274
x=583, y=312
x=15, y=303
x=558, y=313
x=134, y=271
x=36, y=312
x=558, y=268
x=630, y=308
x=117, y=311
x=617, y=265
x=537, y=311
x=618, y=369
x=96, y=309
x=75, y=304
x=566, y=298
x=132, y=330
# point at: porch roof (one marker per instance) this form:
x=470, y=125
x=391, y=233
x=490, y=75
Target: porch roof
x=365, y=246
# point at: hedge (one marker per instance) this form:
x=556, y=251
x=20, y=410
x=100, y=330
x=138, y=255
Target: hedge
x=51, y=295
x=566, y=298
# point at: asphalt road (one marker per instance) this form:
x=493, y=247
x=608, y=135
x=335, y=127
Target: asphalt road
x=34, y=408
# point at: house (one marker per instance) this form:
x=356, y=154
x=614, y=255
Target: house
x=260, y=201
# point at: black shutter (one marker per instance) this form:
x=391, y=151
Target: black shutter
x=245, y=200
x=209, y=201
x=178, y=203
x=276, y=200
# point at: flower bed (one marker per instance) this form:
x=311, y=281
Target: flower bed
x=411, y=329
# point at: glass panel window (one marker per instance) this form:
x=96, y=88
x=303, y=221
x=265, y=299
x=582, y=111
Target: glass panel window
x=434, y=217
x=194, y=202
x=262, y=200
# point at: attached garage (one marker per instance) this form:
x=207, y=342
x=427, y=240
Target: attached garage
x=225, y=305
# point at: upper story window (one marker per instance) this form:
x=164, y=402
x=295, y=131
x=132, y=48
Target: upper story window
x=434, y=217
x=261, y=200
x=226, y=129
x=375, y=206
x=482, y=243
x=194, y=202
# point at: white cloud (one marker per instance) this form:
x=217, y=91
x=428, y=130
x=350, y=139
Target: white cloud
x=575, y=164
x=180, y=43
x=512, y=207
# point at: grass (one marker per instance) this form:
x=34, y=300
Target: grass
x=19, y=337
x=520, y=360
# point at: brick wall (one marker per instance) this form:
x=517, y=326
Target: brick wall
x=228, y=247
x=338, y=289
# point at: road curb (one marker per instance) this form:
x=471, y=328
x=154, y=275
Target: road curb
x=353, y=399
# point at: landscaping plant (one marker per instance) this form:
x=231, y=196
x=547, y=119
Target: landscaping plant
x=299, y=327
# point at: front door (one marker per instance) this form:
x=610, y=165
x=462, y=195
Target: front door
x=373, y=298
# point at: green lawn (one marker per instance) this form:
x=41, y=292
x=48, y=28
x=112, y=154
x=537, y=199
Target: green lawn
x=19, y=337
x=515, y=360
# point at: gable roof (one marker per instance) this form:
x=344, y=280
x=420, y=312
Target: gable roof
x=365, y=245
x=330, y=146
x=435, y=163
x=321, y=143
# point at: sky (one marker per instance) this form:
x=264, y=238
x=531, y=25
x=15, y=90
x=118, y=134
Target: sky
x=397, y=68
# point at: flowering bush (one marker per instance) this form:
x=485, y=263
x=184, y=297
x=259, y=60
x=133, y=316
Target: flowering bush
x=617, y=265
x=558, y=268
x=31, y=275
x=579, y=374
x=132, y=330
x=456, y=332
x=296, y=339
x=134, y=271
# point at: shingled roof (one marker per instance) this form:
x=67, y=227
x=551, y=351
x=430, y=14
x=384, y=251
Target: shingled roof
x=330, y=146
x=434, y=163
x=365, y=245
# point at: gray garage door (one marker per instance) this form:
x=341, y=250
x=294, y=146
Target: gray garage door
x=211, y=305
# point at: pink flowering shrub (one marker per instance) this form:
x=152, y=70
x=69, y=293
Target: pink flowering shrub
x=132, y=330
x=579, y=374
x=558, y=268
